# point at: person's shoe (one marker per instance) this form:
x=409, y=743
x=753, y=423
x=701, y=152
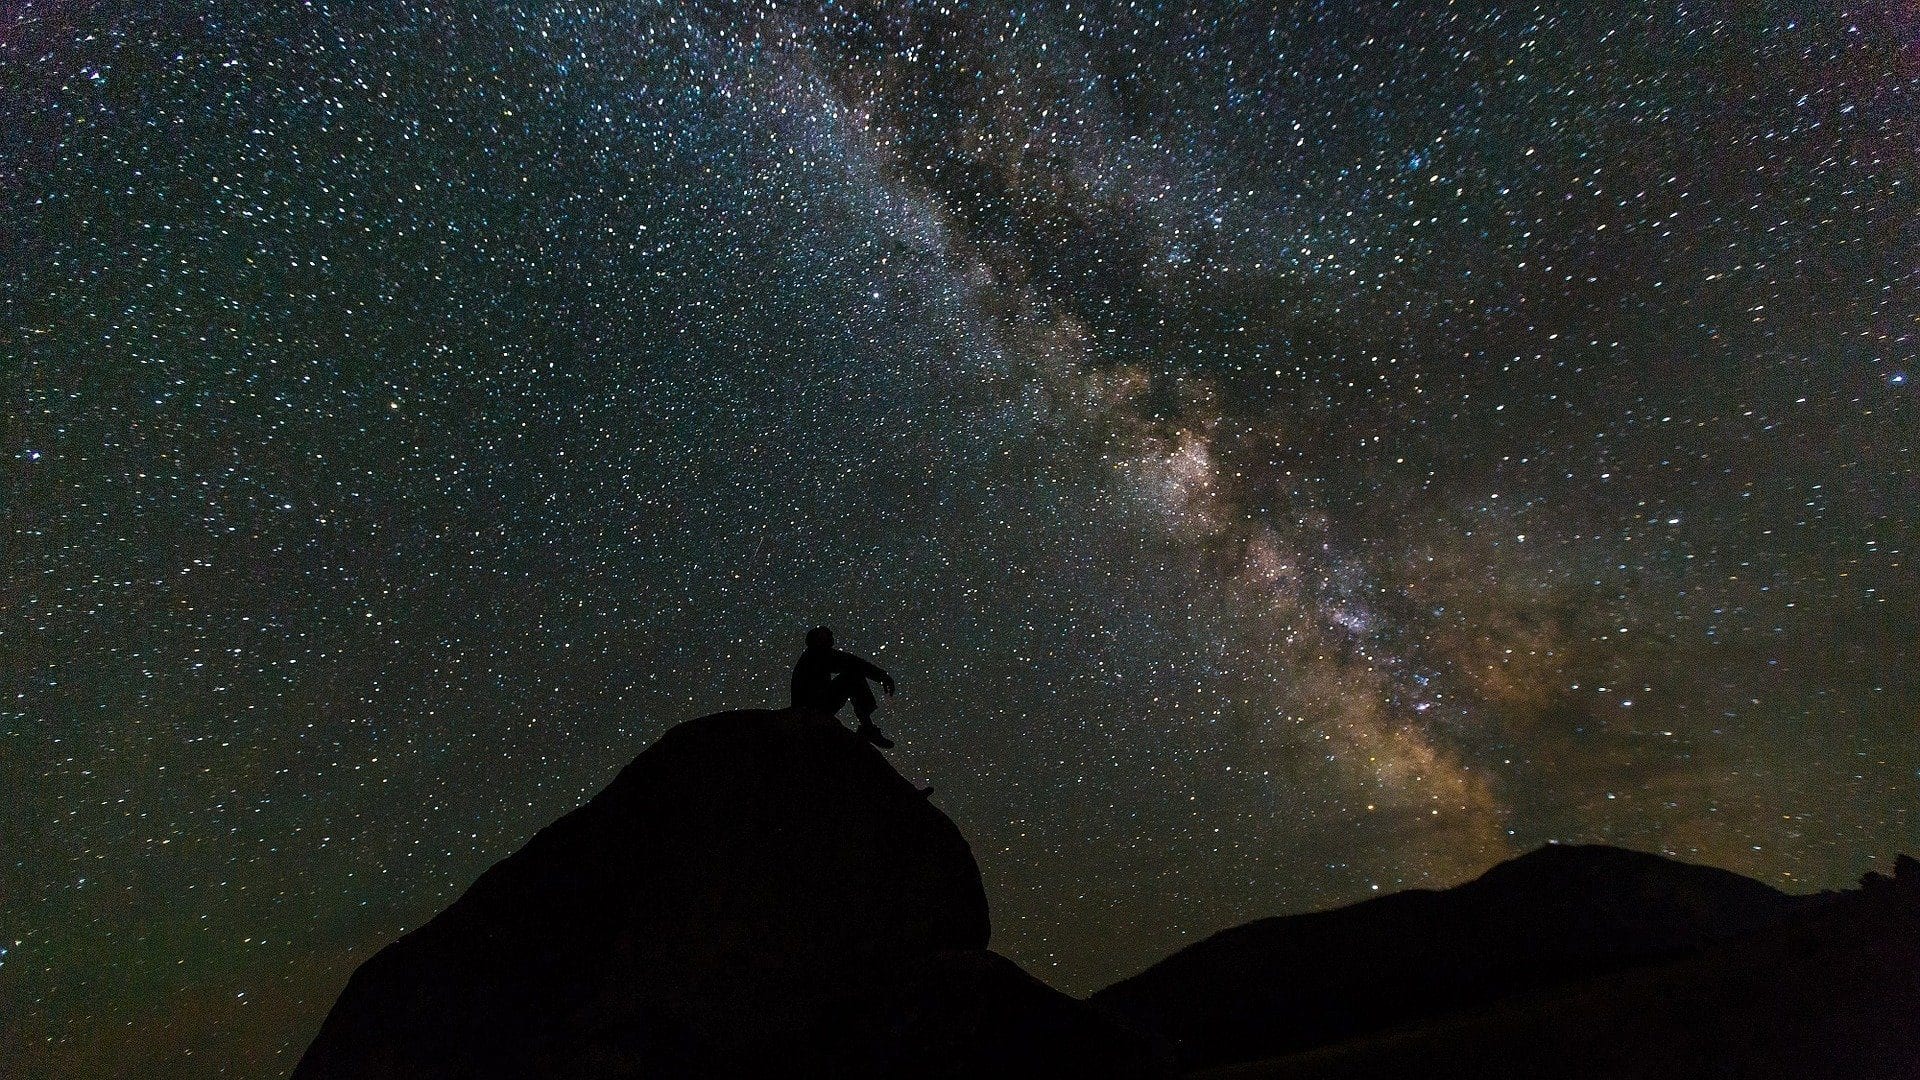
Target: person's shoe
x=872, y=735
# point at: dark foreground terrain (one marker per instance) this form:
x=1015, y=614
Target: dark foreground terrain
x=760, y=894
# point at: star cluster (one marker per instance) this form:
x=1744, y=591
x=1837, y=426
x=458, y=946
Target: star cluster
x=1285, y=451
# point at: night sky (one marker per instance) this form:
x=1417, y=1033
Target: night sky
x=1284, y=451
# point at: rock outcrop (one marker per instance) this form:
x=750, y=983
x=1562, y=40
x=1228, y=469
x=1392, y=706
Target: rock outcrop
x=758, y=894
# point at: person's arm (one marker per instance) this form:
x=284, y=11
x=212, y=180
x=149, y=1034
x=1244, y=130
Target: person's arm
x=872, y=671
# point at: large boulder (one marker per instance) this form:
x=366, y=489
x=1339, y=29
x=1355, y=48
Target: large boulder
x=758, y=894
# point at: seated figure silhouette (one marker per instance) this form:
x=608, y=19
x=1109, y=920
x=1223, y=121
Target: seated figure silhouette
x=826, y=678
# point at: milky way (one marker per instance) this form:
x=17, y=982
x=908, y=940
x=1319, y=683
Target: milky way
x=1285, y=452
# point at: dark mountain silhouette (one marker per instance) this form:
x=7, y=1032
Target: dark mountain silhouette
x=1830, y=992
x=1556, y=915
x=758, y=894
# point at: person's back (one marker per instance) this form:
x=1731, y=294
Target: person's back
x=813, y=679
x=825, y=678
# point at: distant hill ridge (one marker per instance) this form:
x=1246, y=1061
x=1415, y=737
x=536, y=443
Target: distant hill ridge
x=1356, y=991
x=1831, y=991
x=1559, y=913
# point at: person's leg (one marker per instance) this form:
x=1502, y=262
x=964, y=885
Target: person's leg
x=855, y=688
x=841, y=689
x=833, y=701
x=863, y=703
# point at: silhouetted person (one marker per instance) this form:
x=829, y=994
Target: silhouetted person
x=826, y=678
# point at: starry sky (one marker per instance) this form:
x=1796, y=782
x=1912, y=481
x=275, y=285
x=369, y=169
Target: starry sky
x=1285, y=452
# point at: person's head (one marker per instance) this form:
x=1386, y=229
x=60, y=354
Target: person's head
x=820, y=637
